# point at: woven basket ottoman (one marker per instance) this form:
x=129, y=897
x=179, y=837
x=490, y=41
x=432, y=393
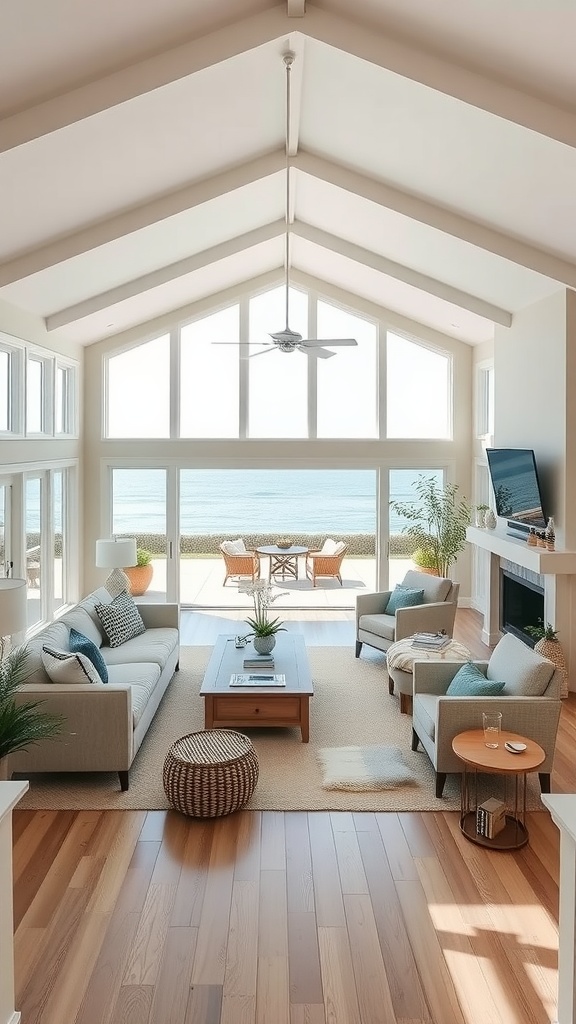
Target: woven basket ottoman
x=210, y=773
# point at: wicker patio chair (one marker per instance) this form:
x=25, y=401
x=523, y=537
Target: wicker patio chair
x=245, y=563
x=321, y=563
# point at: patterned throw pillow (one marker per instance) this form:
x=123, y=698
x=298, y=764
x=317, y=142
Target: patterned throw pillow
x=65, y=667
x=469, y=681
x=402, y=597
x=120, y=620
x=80, y=644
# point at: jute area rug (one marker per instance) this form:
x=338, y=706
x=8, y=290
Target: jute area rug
x=351, y=705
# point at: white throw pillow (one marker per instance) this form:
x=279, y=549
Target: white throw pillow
x=239, y=546
x=329, y=547
x=65, y=667
x=339, y=547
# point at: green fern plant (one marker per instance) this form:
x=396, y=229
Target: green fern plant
x=541, y=631
x=437, y=521
x=21, y=724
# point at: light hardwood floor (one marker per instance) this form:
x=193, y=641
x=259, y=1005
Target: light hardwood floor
x=286, y=918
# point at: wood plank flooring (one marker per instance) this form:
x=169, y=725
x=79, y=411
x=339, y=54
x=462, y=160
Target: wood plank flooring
x=286, y=917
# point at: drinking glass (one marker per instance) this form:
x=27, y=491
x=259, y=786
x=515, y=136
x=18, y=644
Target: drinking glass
x=492, y=722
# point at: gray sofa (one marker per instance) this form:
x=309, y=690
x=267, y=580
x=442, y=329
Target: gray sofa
x=105, y=722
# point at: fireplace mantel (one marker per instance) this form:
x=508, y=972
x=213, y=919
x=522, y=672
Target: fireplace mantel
x=556, y=568
x=547, y=563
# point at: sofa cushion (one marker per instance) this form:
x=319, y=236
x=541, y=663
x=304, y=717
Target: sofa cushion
x=121, y=619
x=65, y=667
x=142, y=679
x=80, y=619
x=426, y=711
x=55, y=635
x=436, y=588
x=80, y=644
x=402, y=597
x=469, y=681
x=155, y=645
x=525, y=672
x=380, y=625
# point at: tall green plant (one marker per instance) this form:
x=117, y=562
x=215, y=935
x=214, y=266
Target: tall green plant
x=21, y=724
x=437, y=521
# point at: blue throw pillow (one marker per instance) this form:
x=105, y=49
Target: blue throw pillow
x=403, y=597
x=80, y=644
x=469, y=681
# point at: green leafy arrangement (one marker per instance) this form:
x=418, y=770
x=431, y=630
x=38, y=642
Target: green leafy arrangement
x=143, y=557
x=437, y=522
x=21, y=725
x=541, y=631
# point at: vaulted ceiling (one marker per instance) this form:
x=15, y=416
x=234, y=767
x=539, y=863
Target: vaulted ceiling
x=142, y=163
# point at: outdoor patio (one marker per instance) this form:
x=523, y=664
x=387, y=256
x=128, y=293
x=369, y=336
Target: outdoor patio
x=202, y=584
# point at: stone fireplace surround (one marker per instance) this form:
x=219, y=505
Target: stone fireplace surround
x=554, y=569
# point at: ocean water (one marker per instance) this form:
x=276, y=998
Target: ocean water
x=257, y=501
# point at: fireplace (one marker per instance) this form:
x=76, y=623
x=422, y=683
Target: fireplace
x=521, y=605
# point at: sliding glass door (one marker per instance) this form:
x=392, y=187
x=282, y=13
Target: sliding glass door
x=400, y=548
x=139, y=503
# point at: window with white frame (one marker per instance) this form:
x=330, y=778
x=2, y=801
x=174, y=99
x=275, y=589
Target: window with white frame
x=11, y=387
x=39, y=397
x=209, y=375
x=485, y=400
x=138, y=392
x=65, y=399
x=347, y=382
x=418, y=390
x=278, y=381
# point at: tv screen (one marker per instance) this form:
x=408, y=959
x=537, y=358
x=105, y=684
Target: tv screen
x=516, y=486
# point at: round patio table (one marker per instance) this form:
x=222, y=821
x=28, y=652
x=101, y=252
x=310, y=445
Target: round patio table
x=283, y=561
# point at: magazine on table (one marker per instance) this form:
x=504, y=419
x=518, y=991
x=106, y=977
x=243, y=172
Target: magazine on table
x=259, y=679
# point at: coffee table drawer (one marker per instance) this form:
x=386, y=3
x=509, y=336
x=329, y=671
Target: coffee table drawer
x=256, y=707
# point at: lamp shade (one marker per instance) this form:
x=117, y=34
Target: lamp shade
x=115, y=554
x=13, y=606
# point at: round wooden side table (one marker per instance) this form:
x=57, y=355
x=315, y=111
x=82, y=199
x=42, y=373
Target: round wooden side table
x=476, y=757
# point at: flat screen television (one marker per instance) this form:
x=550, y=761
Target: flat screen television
x=516, y=487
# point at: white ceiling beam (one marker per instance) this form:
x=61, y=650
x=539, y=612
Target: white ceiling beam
x=380, y=49
x=139, y=217
x=439, y=217
x=164, y=275
x=296, y=8
x=145, y=76
x=401, y=273
x=436, y=72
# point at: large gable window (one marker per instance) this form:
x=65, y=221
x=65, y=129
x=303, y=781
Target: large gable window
x=209, y=375
x=139, y=391
x=347, y=382
x=418, y=390
x=278, y=381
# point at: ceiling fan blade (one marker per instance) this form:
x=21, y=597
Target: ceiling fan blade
x=264, y=353
x=318, y=353
x=315, y=342
x=241, y=343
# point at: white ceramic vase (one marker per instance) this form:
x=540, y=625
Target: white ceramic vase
x=264, y=644
x=489, y=519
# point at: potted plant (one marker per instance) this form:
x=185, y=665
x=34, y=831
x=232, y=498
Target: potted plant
x=425, y=559
x=263, y=629
x=20, y=724
x=548, y=645
x=437, y=521
x=140, y=575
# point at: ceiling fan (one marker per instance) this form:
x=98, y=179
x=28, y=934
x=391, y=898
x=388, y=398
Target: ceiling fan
x=288, y=340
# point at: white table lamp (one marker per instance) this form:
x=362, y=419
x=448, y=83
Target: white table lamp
x=114, y=554
x=13, y=610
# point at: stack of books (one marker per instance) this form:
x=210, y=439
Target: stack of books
x=264, y=661
x=490, y=818
x=430, y=641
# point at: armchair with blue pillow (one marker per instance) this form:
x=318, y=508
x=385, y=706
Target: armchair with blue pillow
x=449, y=698
x=421, y=603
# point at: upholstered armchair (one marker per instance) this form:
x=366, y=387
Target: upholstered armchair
x=327, y=561
x=239, y=561
x=530, y=705
x=436, y=613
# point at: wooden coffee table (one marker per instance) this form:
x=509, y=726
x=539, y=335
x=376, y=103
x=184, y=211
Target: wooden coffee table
x=232, y=706
x=471, y=749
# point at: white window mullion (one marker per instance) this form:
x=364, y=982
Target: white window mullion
x=244, y=374
x=312, y=368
